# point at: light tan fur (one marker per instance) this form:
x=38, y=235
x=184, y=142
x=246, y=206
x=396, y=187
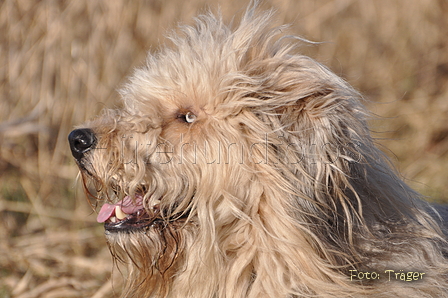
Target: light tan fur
x=275, y=189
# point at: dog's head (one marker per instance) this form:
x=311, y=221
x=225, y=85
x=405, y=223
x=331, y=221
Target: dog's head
x=233, y=159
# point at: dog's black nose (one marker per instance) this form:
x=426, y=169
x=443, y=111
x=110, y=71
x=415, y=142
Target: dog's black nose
x=81, y=141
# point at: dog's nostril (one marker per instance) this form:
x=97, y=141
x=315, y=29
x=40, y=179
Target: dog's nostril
x=81, y=141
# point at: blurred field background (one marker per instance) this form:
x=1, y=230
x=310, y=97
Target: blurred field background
x=62, y=61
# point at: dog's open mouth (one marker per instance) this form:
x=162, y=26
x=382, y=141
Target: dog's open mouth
x=128, y=214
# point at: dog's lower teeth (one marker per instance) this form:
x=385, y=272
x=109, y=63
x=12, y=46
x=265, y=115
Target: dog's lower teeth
x=113, y=219
x=119, y=213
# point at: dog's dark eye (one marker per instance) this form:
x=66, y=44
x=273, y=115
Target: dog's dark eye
x=188, y=117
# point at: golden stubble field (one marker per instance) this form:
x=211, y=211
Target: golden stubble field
x=62, y=61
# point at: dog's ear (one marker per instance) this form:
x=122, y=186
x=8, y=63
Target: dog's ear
x=318, y=131
x=323, y=139
x=311, y=109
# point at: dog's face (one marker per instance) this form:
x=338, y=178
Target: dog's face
x=236, y=162
x=224, y=134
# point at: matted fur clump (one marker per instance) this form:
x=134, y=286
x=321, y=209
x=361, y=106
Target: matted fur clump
x=239, y=168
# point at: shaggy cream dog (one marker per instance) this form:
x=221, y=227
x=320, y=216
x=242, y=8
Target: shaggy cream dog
x=239, y=168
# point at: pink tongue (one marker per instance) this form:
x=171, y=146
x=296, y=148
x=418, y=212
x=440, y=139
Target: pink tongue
x=127, y=205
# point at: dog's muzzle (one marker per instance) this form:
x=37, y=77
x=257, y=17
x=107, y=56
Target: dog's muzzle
x=81, y=141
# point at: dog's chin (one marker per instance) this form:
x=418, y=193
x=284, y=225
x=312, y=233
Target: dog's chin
x=151, y=242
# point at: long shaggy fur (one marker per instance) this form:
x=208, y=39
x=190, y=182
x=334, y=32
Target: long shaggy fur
x=269, y=182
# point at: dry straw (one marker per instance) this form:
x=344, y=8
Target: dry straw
x=61, y=62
